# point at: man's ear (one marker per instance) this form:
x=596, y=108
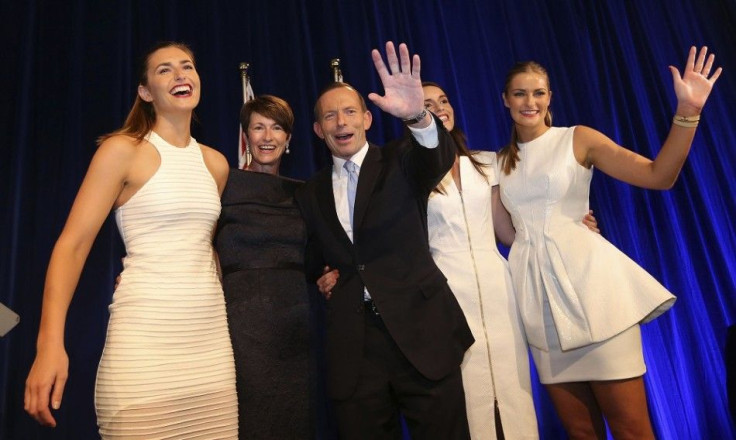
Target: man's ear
x=318, y=130
x=367, y=120
x=144, y=93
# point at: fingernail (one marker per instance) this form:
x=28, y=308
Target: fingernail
x=56, y=405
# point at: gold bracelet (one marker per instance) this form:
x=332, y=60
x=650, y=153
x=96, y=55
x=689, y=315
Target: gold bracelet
x=686, y=121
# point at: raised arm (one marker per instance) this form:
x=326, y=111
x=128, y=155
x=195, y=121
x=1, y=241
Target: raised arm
x=404, y=96
x=404, y=99
x=692, y=90
x=99, y=191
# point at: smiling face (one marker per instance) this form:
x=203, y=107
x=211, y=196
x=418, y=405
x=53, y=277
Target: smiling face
x=527, y=96
x=267, y=140
x=436, y=101
x=172, y=83
x=342, y=120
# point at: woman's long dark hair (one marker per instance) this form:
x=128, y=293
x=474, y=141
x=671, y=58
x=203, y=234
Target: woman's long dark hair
x=142, y=116
x=461, y=141
x=509, y=155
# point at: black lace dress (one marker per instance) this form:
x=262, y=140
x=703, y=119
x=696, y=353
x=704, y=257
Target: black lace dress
x=260, y=242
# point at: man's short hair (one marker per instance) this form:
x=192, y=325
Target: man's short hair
x=333, y=86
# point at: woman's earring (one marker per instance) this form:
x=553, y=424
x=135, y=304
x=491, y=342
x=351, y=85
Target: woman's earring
x=287, y=148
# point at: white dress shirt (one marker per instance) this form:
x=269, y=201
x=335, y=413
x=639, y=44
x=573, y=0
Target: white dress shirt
x=427, y=137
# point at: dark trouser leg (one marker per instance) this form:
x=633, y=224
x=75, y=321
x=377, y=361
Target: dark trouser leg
x=389, y=383
x=372, y=412
x=434, y=409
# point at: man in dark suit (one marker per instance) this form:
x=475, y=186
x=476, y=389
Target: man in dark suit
x=395, y=333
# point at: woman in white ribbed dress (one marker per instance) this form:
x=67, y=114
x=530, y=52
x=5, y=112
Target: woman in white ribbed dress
x=167, y=368
x=581, y=300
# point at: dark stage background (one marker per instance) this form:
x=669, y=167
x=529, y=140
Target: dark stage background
x=68, y=75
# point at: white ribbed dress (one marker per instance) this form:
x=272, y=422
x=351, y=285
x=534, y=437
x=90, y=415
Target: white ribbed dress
x=167, y=369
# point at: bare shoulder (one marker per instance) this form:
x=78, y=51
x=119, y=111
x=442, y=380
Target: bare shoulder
x=586, y=143
x=217, y=165
x=594, y=146
x=214, y=159
x=119, y=145
x=206, y=149
x=588, y=136
x=117, y=152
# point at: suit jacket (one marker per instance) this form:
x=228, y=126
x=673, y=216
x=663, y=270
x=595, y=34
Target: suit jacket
x=390, y=256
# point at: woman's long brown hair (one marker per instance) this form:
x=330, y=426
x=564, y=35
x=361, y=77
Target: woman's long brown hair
x=142, y=116
x=508, y=156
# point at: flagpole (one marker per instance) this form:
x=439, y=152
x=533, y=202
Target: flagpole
x=244, y=80
x=244, y=155
x=336, y=72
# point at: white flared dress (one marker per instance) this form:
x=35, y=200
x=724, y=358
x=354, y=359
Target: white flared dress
x=167, y=369
x=580, y=298
x=463, y=244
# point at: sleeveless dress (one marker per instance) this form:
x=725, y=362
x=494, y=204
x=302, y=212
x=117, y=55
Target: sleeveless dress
x=580, y=298
x=260, y=241
x=463, y=244
x=167, y=369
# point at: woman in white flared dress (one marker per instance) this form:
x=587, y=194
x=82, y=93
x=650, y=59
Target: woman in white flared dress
x=167, y=369
x=465, y=216
x=581, y=300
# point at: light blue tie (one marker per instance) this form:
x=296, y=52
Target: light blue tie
x=352, y=170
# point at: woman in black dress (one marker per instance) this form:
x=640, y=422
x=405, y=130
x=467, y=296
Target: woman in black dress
x=260, y=242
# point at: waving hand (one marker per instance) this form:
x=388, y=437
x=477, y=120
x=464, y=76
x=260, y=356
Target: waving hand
x=694, y=86
x=403, y=97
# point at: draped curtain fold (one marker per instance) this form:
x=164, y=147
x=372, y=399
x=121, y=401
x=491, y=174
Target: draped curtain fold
x=69, y=75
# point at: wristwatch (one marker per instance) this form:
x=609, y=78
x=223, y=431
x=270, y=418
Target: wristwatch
x=416, y=118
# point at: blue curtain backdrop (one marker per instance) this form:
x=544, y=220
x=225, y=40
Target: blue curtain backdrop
x=68, y=75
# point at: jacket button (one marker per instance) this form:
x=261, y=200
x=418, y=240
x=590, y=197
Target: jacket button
x=361, y=267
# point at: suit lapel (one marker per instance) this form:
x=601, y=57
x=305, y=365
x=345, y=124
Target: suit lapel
x=326, y=201
x=369, y=172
